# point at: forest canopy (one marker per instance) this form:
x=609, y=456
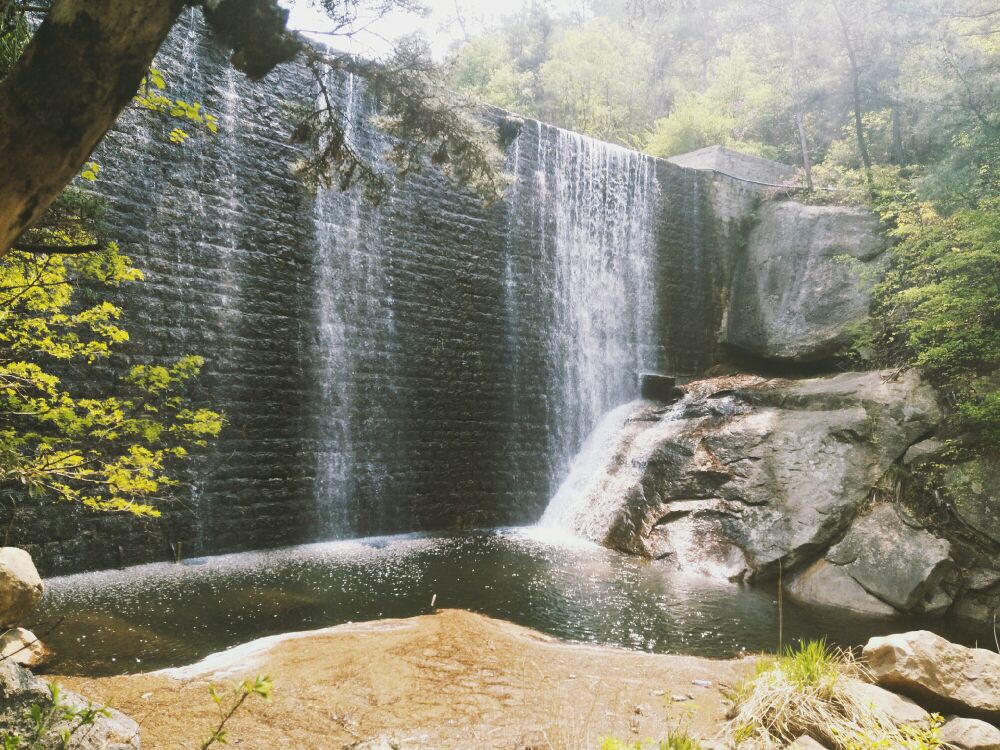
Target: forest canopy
x=893, y=103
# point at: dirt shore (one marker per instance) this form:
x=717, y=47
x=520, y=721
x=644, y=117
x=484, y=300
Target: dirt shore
x=453, y=679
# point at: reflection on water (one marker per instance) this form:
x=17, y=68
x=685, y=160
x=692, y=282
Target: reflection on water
x=160, y=615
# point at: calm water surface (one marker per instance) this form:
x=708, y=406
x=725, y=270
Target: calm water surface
x=161, y=615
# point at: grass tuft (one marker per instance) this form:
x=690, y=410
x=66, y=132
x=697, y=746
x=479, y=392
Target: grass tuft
x=806, y=691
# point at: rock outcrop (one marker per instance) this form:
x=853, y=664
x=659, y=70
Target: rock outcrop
x=801, y=287
x=891, y=562
x=20, y=690
x=970, y=734
x=20, y=586
x=745, y=474
x=938, y=674
x=974, y=488
x=737, y=164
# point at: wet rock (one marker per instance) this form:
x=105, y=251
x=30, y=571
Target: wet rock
x=829, y=585
x=746, y=472
x=970, y=734
x=973, y=488
x=900, y=565
x=803, y=284
x=20, y=587
x=20, y=690
x=897, y=708
x=23, y=647
x=937, y=673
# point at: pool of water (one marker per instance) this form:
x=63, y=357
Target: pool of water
x=160, y=615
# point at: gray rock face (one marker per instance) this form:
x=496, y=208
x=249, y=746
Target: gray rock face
x=970, y=734
x=926, y=450
x=831, y=585
x=20, y=586
x=19, y=690
x=974, y=490
x=803, y=282
x=937, y=673
x=746, y=472
x=899, y=565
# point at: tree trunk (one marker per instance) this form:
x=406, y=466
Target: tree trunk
x=804, y=144
x=82, y=67
x=898, y=153
x=859, y=125
x=796, y=76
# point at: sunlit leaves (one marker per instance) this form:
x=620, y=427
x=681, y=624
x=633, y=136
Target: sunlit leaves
x=108, y=453
x=90, y=171
x=939, y=306
x=152, y=98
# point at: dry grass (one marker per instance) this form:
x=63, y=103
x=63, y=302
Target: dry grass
x=806, y=692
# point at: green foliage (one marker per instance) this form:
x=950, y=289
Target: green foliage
x=675, y=740
x=483, y=69
x=231, y=702
x=595, y=81
x=53, y=725
x=811, y=665
x=111, y=452
x=107, y=451
x=735, y=111
x=152, y=98
x=938, y=307
x=428, y=125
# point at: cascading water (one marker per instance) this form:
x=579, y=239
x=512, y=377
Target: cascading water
x=593, y=206
x=424, y=364
x=355, y=324
x=575, y=507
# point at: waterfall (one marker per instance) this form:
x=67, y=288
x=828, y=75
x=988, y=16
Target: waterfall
x=576, y=505
x=355, y=324
x=596, y=204
x=427, y=363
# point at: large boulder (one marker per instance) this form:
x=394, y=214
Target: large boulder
x=803, y=284
x=20, y=586
x=970, y=734
x=902, y=566
x=973, y=488
x=20, y=690
x=830, y=585
x=938, y=674
x=744, y=472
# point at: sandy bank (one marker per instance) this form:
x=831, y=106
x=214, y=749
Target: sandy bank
x=449, y=680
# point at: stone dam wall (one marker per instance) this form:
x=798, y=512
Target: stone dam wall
x=425, y=364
